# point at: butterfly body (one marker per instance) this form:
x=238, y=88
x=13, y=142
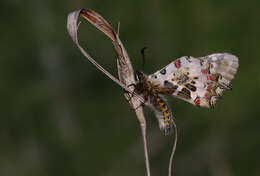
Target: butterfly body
x=199, y=81
x=155, y=101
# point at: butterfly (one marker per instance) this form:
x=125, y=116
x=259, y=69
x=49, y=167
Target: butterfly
x=199, y=81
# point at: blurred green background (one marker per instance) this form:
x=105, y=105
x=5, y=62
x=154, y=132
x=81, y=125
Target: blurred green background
x=60, y=116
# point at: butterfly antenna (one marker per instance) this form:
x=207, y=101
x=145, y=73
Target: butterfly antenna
x=143, y=57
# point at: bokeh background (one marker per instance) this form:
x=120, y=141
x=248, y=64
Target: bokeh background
x=60, y=116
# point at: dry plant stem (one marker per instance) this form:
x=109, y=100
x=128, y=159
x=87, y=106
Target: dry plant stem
x=143, y=127
x=171, y=166
x=125, y=70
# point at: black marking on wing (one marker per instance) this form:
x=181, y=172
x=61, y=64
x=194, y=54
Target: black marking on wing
x=191, y=87
x=184, y=93
x=163, y=71
x=170, y=85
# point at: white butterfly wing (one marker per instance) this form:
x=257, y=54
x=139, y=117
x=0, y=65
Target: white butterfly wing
x=199, y=81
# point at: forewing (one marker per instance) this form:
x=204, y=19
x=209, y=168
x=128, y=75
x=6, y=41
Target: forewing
x=199, y=81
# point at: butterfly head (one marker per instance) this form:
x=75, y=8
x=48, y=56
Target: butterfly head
x=140, y=76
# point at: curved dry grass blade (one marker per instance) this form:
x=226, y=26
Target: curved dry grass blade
x=99, y=22
x=72, y=27
x=171, y=166
x=125, y=70
x=127, y=76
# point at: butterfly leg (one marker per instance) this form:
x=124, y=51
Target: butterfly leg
x=130, y=94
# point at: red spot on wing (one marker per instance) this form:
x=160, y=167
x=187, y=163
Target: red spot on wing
x=210, y=77
x=197, y=101
x=209, y=87
x=204, y=71
x=206, y=95
x=177, y=63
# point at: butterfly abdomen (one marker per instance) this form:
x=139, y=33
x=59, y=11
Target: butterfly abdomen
x=162, y=111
